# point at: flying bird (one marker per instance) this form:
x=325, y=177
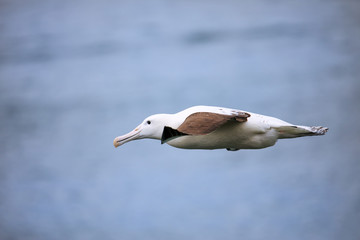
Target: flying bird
x=206, y=127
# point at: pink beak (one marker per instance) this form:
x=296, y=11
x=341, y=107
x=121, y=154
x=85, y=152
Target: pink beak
x=133, y=135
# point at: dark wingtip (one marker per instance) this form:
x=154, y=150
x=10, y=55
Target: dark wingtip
x=169, y=134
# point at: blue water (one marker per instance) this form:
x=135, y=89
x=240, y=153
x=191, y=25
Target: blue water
x=76, y=74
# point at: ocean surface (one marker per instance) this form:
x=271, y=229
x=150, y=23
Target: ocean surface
x=76, y=74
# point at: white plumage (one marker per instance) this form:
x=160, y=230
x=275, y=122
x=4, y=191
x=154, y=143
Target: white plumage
x=206, y=127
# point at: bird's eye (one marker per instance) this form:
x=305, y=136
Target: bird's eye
x=148, y=122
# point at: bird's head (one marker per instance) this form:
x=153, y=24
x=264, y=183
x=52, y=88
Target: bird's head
x=151, y=127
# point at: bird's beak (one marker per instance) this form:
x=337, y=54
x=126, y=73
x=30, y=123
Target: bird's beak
x=134, y=134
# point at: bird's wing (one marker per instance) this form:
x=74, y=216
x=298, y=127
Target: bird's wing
x=201, y=123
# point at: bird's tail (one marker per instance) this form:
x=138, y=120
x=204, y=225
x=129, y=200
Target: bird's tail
x=300, y=131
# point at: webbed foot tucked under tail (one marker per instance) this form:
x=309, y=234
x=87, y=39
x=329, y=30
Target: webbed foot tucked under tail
x=318, y=130
x=300, y=131
x=233, y=149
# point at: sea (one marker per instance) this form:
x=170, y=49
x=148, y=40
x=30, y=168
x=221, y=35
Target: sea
x=76, y=74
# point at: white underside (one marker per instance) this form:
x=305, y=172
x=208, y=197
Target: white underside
x=227, y=137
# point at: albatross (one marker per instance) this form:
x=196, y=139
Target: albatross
x=207, y=127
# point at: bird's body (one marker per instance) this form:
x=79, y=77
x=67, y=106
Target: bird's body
x=206, y=127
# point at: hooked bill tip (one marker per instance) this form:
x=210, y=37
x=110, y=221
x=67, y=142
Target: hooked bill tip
x=116, y=142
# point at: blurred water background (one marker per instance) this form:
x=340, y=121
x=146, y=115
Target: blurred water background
x=76, y=74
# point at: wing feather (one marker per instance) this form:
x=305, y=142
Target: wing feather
x=201, y=123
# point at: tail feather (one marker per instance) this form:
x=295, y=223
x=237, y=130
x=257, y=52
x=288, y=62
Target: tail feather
x=318, y=130
x=300, y=131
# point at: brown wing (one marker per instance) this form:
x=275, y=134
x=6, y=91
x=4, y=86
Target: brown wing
x=202, y=123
